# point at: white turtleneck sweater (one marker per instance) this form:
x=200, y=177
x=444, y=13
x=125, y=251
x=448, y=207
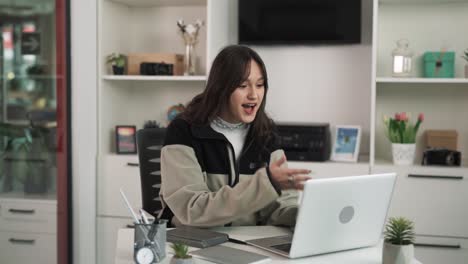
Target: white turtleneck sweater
x=235, y=136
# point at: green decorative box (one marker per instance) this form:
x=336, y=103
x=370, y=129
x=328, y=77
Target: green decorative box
x=439, y=64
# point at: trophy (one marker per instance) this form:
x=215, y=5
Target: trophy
x=190, y=35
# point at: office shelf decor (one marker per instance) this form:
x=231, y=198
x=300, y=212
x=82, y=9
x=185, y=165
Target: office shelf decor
x=402, y=59
x=117, y=61
x=402, y=134
x=465, y=56
x=439, y=64
x=190, y=36
x=399, y=239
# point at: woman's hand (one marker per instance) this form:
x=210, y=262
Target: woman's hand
x=288, y=178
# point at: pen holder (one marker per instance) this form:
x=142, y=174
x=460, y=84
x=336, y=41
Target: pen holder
x=150, y=242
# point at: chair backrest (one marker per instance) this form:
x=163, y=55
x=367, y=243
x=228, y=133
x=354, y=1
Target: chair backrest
x=149, y=144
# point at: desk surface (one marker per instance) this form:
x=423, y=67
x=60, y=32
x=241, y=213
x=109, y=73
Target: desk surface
x=371, y=255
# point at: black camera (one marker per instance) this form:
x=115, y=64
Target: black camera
x=444, y=157
x=156, y=68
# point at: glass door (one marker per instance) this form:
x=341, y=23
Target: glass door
x=34, y=131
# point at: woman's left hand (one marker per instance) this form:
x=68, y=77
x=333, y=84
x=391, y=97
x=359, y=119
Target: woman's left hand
x=288, y=178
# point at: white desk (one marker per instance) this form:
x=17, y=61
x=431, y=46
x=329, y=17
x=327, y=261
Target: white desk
x=372, y=255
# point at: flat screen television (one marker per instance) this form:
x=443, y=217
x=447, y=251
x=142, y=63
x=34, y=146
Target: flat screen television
x=299, y=21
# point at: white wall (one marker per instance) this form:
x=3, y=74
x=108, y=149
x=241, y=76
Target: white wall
x=84, y=132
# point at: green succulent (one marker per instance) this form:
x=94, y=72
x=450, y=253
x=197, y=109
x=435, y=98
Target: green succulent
x=116, y=59
x=180, y=251
x=399, y=231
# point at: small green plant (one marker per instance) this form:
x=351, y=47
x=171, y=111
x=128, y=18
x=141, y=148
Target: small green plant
x=180, y=251
x=399, y=231
x=400, y=130
x=116, y=59
x=465, y=55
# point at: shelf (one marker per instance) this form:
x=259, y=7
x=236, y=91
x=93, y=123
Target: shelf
x=421, y=80
x=382, y=162
x=196, y=78
x=148, y=3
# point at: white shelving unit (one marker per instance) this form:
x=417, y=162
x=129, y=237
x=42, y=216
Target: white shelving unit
x=434, y=197
x=144, y=26
x=429, y=26
x=201, y=78
x=422, y=80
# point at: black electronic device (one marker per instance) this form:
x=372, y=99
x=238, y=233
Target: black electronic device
x=156, y=68
x=442, y=156
x=305, y=142
x=299, y=22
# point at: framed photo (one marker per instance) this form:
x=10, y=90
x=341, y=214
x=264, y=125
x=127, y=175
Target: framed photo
x=346, y=143
x=125, y=139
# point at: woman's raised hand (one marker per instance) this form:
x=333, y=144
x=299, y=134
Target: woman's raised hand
x=288, y=178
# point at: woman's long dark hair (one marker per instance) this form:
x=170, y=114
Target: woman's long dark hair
x=229, y=70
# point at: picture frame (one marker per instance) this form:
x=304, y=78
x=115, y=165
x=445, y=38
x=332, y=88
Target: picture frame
x=346, y=142
x=125, y=139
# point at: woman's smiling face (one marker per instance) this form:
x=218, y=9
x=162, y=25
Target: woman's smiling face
x=246, y=99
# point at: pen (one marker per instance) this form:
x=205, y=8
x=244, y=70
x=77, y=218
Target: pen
x=135, y=218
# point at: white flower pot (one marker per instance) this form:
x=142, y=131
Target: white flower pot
x=466, y=71
x=181, y=261
x=397, y=254
x=403, y=154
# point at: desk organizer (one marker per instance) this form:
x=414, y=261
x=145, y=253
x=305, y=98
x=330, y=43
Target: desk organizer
x=150, y=241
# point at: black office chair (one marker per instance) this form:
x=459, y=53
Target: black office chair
x=149, y=144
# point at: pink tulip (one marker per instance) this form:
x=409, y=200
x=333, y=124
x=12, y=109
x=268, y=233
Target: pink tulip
x=397, y=116
x=403, y=117
x=421, y=117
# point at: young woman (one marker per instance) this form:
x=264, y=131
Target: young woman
x=219, y=163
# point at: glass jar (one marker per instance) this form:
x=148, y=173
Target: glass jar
x=402, y=59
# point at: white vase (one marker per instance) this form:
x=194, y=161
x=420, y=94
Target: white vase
x=397, y=254
x=403, y=154
x=466, y=70
x=181, y=261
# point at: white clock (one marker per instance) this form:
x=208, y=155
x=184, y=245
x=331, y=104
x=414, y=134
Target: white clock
x=144, y=255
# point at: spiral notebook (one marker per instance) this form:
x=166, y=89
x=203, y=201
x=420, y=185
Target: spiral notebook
x=228, y=255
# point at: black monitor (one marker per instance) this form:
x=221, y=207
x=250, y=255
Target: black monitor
x=299, y=21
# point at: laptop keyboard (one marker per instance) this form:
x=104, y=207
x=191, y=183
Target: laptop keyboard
x=283, y=247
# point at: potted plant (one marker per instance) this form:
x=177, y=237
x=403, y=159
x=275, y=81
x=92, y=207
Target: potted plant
x=117, y=61
x=399, y=239
x=465, y=56
x=402, y=133
x=181, y=255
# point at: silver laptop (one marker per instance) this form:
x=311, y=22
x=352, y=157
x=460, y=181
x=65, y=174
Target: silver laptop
x=336, y=214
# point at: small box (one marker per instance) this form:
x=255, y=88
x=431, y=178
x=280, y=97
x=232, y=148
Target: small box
x=442, y=139
x=135, y=59
x=439, y=64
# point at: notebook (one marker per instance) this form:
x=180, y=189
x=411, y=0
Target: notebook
x=227, y=255
x=196, y=237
